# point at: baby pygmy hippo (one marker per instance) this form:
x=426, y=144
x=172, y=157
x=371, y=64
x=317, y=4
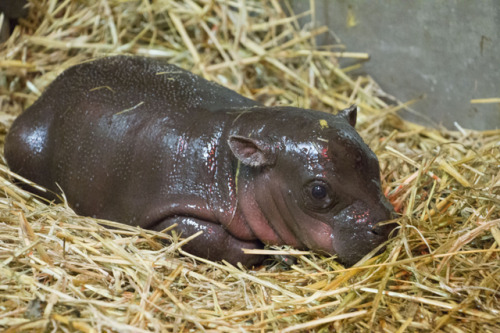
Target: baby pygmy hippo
x=142, y=142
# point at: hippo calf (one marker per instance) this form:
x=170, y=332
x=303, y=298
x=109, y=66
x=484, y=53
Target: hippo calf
x=146, y=143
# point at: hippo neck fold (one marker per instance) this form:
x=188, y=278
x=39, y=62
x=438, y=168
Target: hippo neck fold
x=260, y=202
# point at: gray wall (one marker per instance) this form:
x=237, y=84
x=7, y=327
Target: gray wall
x=446, y=52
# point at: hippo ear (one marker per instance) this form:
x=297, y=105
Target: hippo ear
x=350, y=114
x=252, y=152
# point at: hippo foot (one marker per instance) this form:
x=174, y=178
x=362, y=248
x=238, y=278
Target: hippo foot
x=215, y=243
x=282, y=260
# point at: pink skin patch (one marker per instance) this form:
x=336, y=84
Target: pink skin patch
x=362, y=217
x=324, y=153
x=276, y=234
x=323, y=238
x=181, y=146
x=211, y=160
x=210, y=153
x=265, y=233
x=231, y=186
x=324, y=160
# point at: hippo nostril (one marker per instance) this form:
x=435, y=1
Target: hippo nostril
x=382, y=230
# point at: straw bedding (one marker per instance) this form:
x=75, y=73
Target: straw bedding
x=63, y=272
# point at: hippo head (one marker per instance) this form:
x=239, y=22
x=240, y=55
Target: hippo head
x=313, y=183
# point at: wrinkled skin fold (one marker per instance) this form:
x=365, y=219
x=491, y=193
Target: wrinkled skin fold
x=143, y=142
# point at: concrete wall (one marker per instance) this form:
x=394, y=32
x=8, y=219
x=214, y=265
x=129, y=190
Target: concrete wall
x=446, y=52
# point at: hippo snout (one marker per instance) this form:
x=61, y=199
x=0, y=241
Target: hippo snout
x=360, y=228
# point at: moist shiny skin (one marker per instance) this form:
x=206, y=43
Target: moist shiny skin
x=142, y=142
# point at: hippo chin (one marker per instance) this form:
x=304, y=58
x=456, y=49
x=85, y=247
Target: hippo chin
x=143, y=142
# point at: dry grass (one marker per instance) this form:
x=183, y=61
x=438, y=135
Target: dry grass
x=62, y=272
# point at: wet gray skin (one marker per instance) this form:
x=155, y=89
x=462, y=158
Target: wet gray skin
x=142, y=142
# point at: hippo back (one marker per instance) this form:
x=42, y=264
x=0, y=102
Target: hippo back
x=127, y=84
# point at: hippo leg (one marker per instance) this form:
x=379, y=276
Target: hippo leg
x=215, y=243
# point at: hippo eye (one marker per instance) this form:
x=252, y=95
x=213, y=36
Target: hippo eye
x=319, y=192
x=318, y=195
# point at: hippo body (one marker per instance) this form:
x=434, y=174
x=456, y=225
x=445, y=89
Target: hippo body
x=142, y=142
